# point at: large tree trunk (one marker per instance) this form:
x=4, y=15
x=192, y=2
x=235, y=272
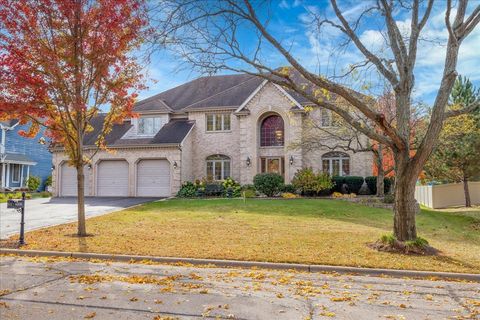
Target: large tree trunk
x=405, y=206
x=380, y=172
x=468, y=202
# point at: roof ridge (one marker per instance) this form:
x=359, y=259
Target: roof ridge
x=218, y=93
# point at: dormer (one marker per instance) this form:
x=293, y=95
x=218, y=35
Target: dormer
x=147, y=125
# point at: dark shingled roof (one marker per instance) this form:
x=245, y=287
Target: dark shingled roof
x=9, y=123
x=213, y=91
x=171, y=133
x=18, y=158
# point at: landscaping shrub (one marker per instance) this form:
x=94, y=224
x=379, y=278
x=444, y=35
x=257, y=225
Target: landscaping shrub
x=311, y=183
x=45, y=194
x=289, y=195
x=48, y=181
x=268, y=183
x=289, y=188
x=33, y=183
x=338, y=183
x=214, y=189
x=231, y=188
x=188, y=190
x=389, y=198
x=339, y=195
x=372, y=184
x=353, y=183
x=249, y=193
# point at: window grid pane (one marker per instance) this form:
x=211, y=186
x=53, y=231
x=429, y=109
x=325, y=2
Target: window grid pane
x=218, y=122
x=336, y=167
x=272, y=132
x=326, y=166
x=226, y=122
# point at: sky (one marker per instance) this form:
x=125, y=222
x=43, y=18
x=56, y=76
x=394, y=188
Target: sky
x=321, y=52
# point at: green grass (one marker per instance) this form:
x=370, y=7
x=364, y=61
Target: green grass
x=300, y=230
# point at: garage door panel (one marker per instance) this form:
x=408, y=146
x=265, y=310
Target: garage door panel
x=68, y=181
x=153, y=178
x=112, y=178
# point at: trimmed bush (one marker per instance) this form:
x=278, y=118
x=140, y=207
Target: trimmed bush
x=310, y=183
x=232, y=189
x=214, y=189
x=188, y=190
x=354, y=183
x=268, y=183
x=33, y=183
x=372, y=184
x=338, y=183
x=289, y=188
x=249, y=193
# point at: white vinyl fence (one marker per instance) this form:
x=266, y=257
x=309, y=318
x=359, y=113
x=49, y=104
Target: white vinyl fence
x=447, y=195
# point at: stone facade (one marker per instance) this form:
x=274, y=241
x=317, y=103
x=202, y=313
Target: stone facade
x=240, y=143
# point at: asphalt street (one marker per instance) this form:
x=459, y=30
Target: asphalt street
x=43, y=288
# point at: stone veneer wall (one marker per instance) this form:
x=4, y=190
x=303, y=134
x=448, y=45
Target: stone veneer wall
x=268, y=100
x=132, y=155
x=205, y=143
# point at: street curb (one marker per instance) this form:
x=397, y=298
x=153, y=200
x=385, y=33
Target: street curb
x=251, y=264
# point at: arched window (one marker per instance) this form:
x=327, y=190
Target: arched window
x=218, y=167
x=271, y=131
x=336, y=163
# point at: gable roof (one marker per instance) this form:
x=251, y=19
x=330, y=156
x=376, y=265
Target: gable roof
x=214, y=91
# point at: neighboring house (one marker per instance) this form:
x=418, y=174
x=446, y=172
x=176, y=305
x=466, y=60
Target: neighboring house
x=213, y=127
x=21, y=157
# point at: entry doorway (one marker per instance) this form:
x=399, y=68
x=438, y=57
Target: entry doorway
x=272, y=165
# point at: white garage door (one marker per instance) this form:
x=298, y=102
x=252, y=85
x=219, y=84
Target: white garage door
x=68, y=181
x=112, y=178
x=153, y=178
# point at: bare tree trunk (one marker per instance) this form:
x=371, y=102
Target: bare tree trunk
x=380, y=172
x=468, y=202
x=405, y=206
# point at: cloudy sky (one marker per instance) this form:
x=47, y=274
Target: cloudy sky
x=291, y=22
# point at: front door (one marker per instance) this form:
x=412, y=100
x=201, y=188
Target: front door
x=272, y=165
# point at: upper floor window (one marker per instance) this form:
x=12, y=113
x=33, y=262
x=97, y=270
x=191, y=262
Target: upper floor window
x=329, y=119
x=336, y=163
x=218, y=122
x=218, y=167
x=272, y=131
x=149, y=125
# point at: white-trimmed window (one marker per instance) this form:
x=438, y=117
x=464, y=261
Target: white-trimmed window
x=218, y=167
x=15, y=168
x=150, y=125
x=336, y=163
x=218, y=122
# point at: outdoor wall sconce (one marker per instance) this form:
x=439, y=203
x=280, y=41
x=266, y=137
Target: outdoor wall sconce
x=53, y=167
x=249, y=162
x=175, y=165
x=42, y=141
x=89, y=166
x=291, y=160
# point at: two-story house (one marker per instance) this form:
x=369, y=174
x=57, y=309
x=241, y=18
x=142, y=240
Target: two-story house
x=212, y=127
x=21, y=157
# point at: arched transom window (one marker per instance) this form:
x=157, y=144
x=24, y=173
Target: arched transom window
x=218, y=167
x=336, y=163
x=272, y=131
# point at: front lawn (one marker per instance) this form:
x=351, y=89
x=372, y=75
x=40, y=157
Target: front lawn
x=330, y=232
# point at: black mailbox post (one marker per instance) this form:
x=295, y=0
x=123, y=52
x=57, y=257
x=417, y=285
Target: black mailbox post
x=19, y=205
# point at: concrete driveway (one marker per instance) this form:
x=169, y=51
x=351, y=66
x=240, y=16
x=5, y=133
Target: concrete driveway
x=44, y=212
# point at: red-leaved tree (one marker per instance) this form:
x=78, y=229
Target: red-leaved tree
x=62, y=61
